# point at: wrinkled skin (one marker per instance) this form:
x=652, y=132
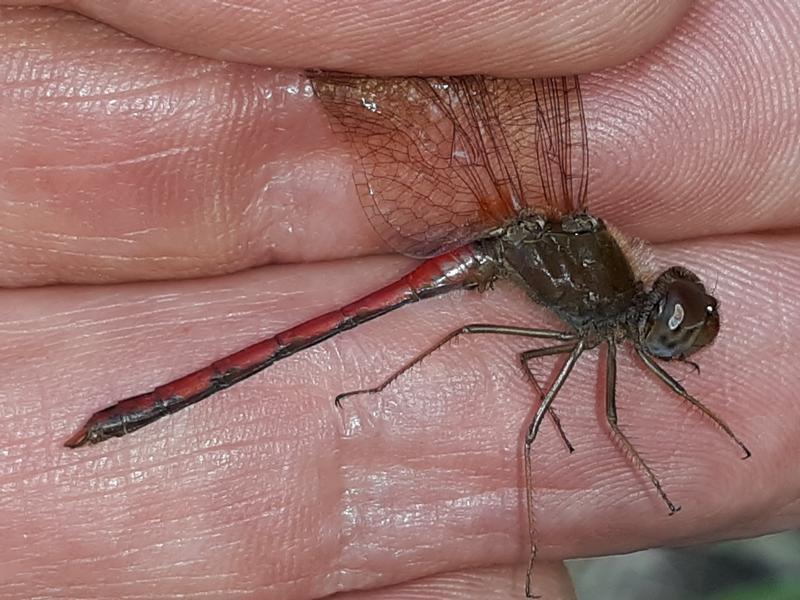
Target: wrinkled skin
x=125, y=161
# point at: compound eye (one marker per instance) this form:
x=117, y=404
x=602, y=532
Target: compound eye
x=677, y=317
x=685, y=320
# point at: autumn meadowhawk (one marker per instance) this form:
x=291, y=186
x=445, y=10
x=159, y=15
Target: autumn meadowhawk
x=486, y=179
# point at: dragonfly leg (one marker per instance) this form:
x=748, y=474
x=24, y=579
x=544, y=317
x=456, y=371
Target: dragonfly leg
x=475, y=328
x=529, y=355
x=557, y=423
x=676, y=387
x=575, y=351
x=611, y=417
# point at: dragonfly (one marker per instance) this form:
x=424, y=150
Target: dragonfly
x=485, y=179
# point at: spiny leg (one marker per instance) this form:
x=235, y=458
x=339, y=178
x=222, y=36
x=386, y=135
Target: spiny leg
x=557, y=422
x=611, y=416
x=529, y=355
x=530, y=436
x=473, y=329
x=681, y=391
x=466, y=329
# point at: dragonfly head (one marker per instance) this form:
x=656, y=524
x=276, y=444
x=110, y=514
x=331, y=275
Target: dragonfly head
x=679, y=318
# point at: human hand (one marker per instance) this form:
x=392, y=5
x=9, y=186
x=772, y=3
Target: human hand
x=123, y=162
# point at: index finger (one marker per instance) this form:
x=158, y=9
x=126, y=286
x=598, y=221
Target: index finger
x=166, y=165
x=506, y=37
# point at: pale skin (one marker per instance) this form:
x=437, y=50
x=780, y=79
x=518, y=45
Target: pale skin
x=125, y=162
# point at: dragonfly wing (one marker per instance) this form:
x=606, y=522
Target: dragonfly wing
x=546, y=132
x=442, y=160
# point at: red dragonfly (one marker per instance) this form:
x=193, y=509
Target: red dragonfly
x=487, y=179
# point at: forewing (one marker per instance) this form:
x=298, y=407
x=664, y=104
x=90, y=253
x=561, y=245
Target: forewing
x=552, y=154
x=442, y=160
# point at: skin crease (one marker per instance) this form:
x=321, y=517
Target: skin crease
x=125, y=163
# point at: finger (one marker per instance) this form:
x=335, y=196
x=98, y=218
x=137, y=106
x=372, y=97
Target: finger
x=497, y=583
x=267, y=486
x=509, y=38
x=168, y=166
x=691, y=132
x=179, y=167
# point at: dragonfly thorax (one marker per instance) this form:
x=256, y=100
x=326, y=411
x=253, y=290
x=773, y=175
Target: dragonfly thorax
x=574, y=266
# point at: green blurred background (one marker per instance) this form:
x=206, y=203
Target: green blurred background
x=765, y=568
